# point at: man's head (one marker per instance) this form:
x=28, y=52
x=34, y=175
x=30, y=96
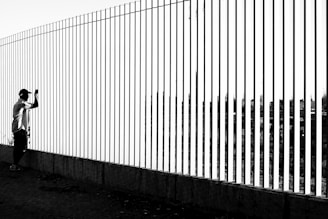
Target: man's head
x=23, y=94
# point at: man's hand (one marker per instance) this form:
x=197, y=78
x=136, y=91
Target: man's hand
x=36, y=97
x=36, y=94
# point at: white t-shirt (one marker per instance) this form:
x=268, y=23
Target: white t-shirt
x=21, y=115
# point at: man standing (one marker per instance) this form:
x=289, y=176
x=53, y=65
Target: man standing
x=20, y=125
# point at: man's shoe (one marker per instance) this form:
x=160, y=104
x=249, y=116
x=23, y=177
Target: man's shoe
x=14, y=168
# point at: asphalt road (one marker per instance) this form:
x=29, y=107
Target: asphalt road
x=32, y=194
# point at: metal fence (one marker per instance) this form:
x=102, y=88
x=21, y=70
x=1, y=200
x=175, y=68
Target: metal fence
x=229, y=90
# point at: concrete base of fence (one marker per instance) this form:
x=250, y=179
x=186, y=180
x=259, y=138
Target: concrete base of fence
x=201, y=193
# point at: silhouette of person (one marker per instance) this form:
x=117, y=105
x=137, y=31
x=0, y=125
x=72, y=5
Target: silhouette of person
x=20, y=125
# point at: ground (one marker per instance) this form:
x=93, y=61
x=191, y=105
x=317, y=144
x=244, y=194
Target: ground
x=33, y=194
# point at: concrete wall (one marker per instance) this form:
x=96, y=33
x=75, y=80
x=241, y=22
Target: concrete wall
x=202, y=193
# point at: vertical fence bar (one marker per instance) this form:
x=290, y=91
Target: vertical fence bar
x=42, y=79
x=42, y=61
x=50, y=85
x=277, y=72
x=173, y=84
x=99, y=81
x=59, y=84
x=76, y=74
x=239, y=89
x=267, y=85
x=120, y=87
x=169, y=69
x=65, y=89
x=2, y=55
x=112, y=84
x=109, y=91
x=7, y=73
x=179, y=86
x=55, y=84
x=5, y=70
x=106, y=85
x=2, y=72
x=215, y=13
x=309, y=69
x=299, y=90
x=231, y=72
x=86, y=83
x=288, y=70
x=5, y=77
x=36, y=65
x=318, y=111
x=37, y=86
x=143, y=83
x=223, y=88
x=5, y=90
x=103, y=81
x=158, y=109
x=193, y=73
x=186, y=86
x=91, y=98
x=52, y=74
x=68, y=85
x=138, y=83
x=160, y=46
x=249, y=70
x=63, y=95
x=136, y=141
x=66, y=75
x=82, y=85
x=34, y=138
x=149, y=81
x=258, y=88
x=60, y=87
x=46, y=80
x=321, y=70
x=153, y=102
x=97, y=72
x=121, y=94
x=71, y=65
x=131, y=85
x=125, y=86
x=326, y=107
x=151, y=160
x=166, y=89
x=116, y=83
x=208, y=89
x=200, y=87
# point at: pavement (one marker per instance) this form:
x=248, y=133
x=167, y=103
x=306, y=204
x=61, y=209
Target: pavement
x=33, y=194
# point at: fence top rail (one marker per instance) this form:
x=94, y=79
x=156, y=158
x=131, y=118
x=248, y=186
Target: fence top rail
x=73, y=21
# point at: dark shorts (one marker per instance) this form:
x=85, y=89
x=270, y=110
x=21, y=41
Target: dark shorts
x=20, y=140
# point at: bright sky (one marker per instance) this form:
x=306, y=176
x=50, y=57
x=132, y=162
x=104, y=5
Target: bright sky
x=20, y=15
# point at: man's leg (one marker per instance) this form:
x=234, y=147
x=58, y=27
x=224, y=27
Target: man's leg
x=20, y=142
x=18, y=154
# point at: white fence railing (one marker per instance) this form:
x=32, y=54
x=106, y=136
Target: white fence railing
x=231, y=90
